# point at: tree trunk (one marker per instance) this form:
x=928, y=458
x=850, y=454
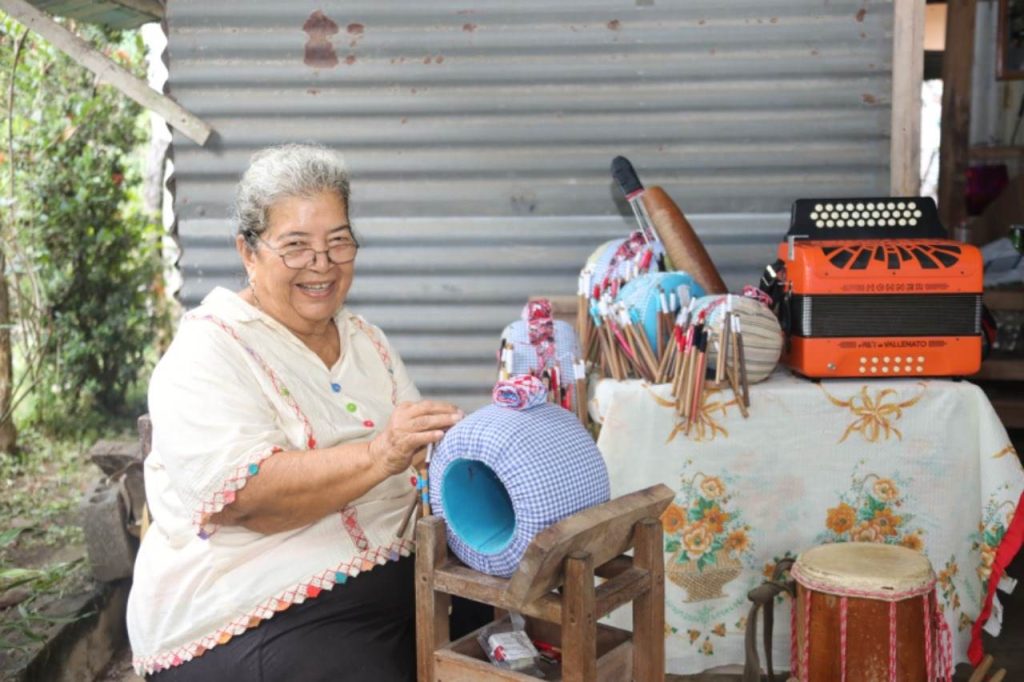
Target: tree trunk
x=8, y=434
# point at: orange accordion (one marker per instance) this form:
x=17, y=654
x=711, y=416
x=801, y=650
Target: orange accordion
x=872, y=287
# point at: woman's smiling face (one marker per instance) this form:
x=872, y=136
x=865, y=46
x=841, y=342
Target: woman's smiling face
x=303, y=300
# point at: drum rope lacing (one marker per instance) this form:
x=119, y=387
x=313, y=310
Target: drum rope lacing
x=932, y=613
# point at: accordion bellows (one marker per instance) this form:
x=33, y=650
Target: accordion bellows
x=500, y=476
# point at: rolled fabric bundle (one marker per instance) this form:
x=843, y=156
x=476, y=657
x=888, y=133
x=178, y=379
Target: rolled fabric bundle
x=615, y=261
x=537, y=342
x=502, y=475
x=519, y=393
x=642, y=297
x=684, y=247
x=762, y=335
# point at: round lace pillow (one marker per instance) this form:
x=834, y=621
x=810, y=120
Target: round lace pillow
x=510, y=470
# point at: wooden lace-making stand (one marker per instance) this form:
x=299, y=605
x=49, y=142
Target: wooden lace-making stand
x=569, y=555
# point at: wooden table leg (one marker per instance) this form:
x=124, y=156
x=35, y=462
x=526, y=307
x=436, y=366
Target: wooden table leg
x=431, y=606
x=579, y=627
x=649, y=608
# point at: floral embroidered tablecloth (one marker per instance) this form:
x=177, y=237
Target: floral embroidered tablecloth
x=923, y=464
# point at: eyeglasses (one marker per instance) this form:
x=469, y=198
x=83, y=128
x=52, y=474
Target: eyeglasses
x=341, y=252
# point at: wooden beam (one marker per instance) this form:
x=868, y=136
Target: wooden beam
x=995, y=153
x=108, y=71
x=907, y=73
x=957, y=63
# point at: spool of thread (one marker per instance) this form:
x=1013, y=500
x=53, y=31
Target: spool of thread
x=762, y=335
x=642, y=297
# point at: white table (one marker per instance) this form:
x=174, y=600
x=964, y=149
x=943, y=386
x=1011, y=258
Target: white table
x=926, y=464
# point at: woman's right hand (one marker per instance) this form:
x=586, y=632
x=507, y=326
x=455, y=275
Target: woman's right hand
x=411, y=428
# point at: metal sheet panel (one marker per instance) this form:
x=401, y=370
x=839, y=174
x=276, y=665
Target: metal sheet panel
x=480, y=136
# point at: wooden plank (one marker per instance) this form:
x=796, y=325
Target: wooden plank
x=957, y=63
x=620, y=590
x=450, y=666
x=431, y=606
x=463, y=660
x=614, y=650
x=455, y=578
x=604, y=531
x=1001, y=369
x=649, y=608
x=108, y=71
x=1004, y=299
x=907, y=72
x=623, y=583
x=610, y=569
x=617, y=664
x=1010, y=411
x=995, y=152
x=579, y=622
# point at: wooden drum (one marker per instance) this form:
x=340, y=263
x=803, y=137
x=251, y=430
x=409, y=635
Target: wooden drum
x=868, y=612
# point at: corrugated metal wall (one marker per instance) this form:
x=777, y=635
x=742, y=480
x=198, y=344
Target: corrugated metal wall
x=480, y=135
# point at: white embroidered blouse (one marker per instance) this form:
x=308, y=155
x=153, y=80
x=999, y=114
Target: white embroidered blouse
x=234, y=388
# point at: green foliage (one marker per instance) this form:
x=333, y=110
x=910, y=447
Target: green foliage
x=87, y=262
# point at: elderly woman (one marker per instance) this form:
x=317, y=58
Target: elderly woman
x=285, y=436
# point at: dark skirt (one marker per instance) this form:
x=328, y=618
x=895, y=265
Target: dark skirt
x=361, y=631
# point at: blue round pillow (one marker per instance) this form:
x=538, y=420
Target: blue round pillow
x=502, y=475
x=642, y=295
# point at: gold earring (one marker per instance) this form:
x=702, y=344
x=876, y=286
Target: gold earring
x=255, y=298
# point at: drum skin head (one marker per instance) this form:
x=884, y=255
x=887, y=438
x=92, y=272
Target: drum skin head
x=865, y=566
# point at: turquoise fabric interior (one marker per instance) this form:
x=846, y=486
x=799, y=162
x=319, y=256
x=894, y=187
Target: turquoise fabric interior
x=477, y=506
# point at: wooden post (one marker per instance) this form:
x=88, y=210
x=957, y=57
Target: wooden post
x=957, y=63
x=108, y=71
x=649, y=608
x=907, y=73
x=579, y=627
x=431, y=607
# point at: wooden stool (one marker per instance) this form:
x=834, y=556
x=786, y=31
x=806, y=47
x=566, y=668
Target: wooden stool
x=568, y=554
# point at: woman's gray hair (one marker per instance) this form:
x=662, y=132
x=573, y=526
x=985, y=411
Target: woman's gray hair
x=288, y=170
